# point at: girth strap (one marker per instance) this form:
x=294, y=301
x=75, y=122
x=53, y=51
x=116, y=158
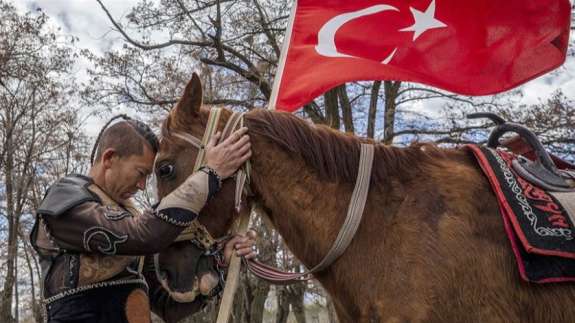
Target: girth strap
x=345, y=235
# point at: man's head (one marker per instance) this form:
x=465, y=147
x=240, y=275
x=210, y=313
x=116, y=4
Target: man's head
x=123, y=158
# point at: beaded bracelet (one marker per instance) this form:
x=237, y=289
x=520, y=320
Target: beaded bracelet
x=210, y=171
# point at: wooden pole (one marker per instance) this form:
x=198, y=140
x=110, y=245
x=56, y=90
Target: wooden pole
x=283, y=56
x=232, y=281
x=233, y=278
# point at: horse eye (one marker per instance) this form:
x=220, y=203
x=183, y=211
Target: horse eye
x=166, y=171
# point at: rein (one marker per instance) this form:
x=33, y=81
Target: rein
x=346, y=233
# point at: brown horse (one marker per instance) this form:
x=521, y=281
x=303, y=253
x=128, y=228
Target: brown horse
x=431, y=246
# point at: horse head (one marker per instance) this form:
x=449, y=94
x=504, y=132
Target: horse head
x=174, y=163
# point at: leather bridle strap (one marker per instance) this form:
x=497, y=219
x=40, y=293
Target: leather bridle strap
x=345, y=235
x=242, y=175
x=211, y=128
x=348, y=229
x=235, y=122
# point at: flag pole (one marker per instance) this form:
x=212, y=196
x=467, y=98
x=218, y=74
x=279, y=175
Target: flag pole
x=232, y=280
x=283, y=57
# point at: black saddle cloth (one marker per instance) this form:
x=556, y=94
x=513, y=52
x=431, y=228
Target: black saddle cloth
x=540, y=230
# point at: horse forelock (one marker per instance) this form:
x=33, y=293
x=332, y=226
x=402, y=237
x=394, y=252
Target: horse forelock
x=334, y=155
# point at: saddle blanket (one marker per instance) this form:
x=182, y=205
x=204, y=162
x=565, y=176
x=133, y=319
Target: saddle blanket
x=539, y=224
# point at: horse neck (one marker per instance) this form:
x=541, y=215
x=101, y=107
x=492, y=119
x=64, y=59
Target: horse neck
x=289, y=193
x=307, y=211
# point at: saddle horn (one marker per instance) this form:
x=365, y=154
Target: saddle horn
x=530, y=138
x=491, y=116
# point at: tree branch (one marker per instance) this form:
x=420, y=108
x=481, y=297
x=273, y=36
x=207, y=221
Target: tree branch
x=438, y=132
x=271, y=38
x=437, y=94
x=373, y=109
x=149, y=47
x=254, y=78
x=314, y=112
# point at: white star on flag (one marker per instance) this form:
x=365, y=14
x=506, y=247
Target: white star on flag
x=424, y=21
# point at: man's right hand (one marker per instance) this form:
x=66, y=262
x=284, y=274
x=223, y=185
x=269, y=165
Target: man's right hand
x=226, y=157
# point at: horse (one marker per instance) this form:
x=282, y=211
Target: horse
x=431, y=246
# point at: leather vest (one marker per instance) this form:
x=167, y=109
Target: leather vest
x=96, y=267
x=70, y=272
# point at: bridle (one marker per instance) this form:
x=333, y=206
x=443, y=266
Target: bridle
x=346, y=233
x=196, y=233
x=242, y=176
x=235, y=121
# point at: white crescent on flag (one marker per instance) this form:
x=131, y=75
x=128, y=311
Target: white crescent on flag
x=326, y=35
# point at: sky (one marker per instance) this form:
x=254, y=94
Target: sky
x=86, y=20
x=83, y=18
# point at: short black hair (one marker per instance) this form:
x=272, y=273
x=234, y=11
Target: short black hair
x=127, y=137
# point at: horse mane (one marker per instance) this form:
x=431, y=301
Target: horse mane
x=333, y=154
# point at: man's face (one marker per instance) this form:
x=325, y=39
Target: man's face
x=127, y=175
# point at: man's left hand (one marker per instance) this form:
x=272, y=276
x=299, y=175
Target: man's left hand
x=242, y=246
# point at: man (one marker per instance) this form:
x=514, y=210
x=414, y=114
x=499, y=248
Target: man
x=89, y=236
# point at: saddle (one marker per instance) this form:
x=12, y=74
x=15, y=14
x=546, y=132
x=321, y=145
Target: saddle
x=534, y=163
x=561, y=178
x=536, y=195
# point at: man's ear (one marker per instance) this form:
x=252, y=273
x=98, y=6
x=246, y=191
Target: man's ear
x=190, y=103
x=108, y=157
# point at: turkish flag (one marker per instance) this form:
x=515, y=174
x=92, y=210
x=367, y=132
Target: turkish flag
x=470, y=47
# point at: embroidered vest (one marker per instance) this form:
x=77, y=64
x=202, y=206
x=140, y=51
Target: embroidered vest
x=96, y=267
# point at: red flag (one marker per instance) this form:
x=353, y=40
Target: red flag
x=471, y=47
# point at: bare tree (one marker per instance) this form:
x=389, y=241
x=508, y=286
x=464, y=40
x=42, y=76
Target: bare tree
x=36, y=122
x=235, y=44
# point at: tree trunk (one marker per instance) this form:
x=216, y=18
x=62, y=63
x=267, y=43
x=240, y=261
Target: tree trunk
x=373, y=109
x=6, y=301
x=313, y=111
x=36, y=310
x=331, y=108
x=391, y=90
x=346, y=113
x=247, y=297
x=296, y=299
x=239, y=311
x=259, y=293
x=332, y=315
x=16, y=291
x=283, y=305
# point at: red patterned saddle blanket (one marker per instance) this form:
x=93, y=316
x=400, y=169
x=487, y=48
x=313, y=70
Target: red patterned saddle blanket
x=540, y=224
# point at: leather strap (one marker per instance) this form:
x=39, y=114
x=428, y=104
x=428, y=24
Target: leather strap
x=345, y=235
x=211, y=128
x=235, y=121
x=348, y=229
x=189, y=138
x=232, y=281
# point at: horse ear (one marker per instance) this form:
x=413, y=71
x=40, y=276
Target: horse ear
x=190, y=103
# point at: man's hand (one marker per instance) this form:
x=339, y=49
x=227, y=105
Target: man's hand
x=242, y=246
x=226, y=157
